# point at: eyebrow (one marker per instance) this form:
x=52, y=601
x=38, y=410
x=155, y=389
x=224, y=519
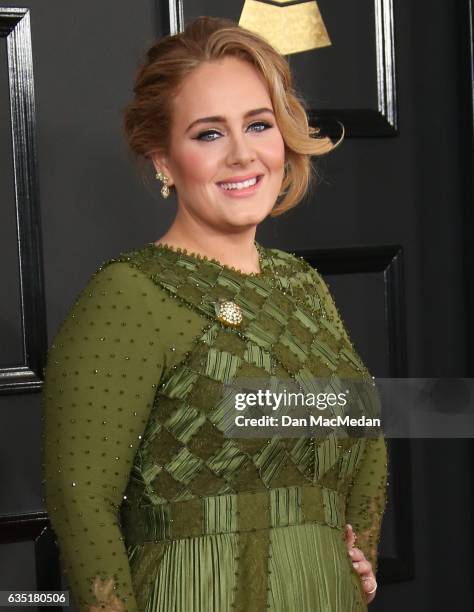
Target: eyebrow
x=218, y=118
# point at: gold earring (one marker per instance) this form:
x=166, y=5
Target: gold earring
x=165, y=190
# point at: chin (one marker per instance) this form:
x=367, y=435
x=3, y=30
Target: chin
x=248, y=219
x=255, y=213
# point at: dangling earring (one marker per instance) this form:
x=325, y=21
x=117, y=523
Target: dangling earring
x=165, y=190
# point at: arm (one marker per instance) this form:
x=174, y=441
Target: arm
x=102, y=372
x=366, y=498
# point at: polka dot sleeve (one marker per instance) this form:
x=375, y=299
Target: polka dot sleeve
x=367, y=497
x=103, y=369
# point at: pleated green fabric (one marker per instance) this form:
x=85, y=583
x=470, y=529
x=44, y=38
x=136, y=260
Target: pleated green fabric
x=143, y=487
x=304, y=578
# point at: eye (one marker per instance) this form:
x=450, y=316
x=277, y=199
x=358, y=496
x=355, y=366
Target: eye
x=259, y=126
x=208, y=135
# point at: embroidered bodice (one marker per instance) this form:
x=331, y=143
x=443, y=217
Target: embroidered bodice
x=154, y=507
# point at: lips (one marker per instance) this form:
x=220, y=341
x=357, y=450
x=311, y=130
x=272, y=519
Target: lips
x=240, y=183
x=239, y=179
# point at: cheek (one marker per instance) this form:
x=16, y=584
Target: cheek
x=275, y=153
x=196, y=165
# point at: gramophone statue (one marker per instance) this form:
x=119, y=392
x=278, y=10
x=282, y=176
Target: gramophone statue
x=291, y=26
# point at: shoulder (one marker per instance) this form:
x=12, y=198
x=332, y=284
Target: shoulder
x=125, y=265
x=310, y=284
x=119, y=277
x=286, y=258
x=307, y=273
x=131, y=259
x=295, y=264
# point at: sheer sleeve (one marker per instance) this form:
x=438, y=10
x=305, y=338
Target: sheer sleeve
x=367, y=495
x=102, y=372
x=367, y=499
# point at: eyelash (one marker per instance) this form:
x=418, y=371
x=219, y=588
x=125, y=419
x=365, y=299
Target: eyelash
x=201, y=136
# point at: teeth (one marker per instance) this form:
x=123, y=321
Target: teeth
x=242, y=185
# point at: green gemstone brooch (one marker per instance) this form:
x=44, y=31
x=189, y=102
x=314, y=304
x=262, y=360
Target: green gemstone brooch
x=228, y=312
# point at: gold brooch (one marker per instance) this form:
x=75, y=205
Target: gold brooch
x=228, y=312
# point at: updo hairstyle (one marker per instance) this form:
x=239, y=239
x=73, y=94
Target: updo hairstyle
x=147, y=118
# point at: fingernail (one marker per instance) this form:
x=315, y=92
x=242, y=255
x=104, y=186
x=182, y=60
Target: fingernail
x=355, y=564
x=351, y=552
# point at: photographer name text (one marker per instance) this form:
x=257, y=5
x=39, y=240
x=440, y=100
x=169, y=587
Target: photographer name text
x=313, y=421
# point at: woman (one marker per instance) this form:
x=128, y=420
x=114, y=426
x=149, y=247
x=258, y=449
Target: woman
x=154, y=508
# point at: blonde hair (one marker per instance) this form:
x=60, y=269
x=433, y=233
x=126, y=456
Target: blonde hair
x=147, y=117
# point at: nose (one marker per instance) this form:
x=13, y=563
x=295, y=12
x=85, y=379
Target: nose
x=240, y=150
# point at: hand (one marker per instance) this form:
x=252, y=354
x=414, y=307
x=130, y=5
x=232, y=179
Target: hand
x=360, y=564
x=106, y=600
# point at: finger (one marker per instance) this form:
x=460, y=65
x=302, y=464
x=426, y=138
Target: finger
x=356, y=554
x=362, y=567
x=368, y=582
x=350, y=536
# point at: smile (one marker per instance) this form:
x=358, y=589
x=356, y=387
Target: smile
x=240, y=185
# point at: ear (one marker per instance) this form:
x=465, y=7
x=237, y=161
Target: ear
x=161, y=165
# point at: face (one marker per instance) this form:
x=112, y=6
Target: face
x=226, y=156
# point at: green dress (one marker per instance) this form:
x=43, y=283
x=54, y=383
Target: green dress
x=143, y=489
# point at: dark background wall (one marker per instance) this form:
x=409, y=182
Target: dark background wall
x=412, y=190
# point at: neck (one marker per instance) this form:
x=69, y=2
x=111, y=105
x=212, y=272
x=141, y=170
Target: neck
x=231, y=250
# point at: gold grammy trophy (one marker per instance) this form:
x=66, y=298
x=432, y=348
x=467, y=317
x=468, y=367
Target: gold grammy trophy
x=290, y=26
